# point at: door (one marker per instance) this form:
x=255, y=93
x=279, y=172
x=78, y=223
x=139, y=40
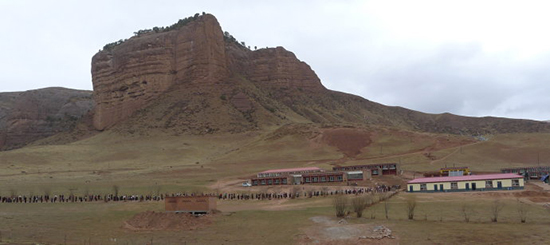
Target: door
x=499, y=185
x=474, y=186
x=410, y=188
x=435, y=187
x=441, y=187
x=467, y=186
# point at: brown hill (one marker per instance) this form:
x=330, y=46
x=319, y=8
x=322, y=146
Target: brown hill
x=28, y=116
x=197, y=79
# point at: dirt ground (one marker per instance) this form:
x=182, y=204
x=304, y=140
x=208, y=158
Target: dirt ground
x=329, y=230
x=154, y=221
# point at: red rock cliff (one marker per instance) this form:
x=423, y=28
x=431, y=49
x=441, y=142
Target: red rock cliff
x=142, y=68
x=277, y=67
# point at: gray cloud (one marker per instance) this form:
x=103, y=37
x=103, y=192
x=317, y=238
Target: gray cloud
x=427, y=61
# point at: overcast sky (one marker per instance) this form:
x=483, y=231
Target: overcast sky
x=474, y=58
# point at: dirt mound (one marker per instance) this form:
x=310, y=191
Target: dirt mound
x=167, y=221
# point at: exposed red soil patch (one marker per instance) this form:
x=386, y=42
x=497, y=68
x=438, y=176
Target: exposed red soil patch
x=167, y=221
x=349, y=141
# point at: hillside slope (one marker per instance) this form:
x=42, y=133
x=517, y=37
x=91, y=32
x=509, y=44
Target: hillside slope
x=36, y=114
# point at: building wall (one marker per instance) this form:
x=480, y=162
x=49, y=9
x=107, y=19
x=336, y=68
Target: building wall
x=318, y=178
x=374, y=169
x=190, y=204
x=282, y=180
x=480, y=185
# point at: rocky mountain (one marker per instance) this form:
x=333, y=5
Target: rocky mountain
x=36, y=114
x=197, y=79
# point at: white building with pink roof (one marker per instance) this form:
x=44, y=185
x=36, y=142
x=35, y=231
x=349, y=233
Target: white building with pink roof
x=485, y=182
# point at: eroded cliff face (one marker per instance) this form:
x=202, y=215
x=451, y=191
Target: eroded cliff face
x=279, y=68
x=141, y=69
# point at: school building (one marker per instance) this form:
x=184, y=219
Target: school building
x=309, y=175
x=288, y=171
x=324, y=177
x=484, y=182
x=283, y=176
x=372, y=169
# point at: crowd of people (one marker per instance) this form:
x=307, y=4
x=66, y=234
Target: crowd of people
x=76, y=198
x=296, y=193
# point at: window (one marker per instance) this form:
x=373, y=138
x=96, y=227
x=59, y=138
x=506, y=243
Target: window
x=331, y=178
x=269, y=181
x=308, y=179
x=263, y=182
x=323, y=179
x=422, y=187
x=515, y=182
x=454, y=186
x=339, y=178
x=255, y=182
x=276, y=181
x=315, y=180
x=489, y=184
x=375, y=172
x=284, y=181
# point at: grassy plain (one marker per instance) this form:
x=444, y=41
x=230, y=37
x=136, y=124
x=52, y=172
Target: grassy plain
x=167, y=164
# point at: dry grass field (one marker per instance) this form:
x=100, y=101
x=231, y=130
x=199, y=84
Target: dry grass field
x=168, y=164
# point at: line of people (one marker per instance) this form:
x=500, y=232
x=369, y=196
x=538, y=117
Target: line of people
x=308, y=194
x=75, y=198
x=222, y=196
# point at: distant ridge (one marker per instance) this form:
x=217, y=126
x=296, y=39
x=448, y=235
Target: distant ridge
x=36, y=114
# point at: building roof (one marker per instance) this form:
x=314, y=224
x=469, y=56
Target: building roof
x=287, y=170
x=452, y=168
x=365, y=165
x=323, y=173
x=464, y=178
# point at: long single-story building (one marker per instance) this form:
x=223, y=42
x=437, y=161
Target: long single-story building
x=283, y=176
x=288, y=171
x=467, y=183
x=279, y=180
x=323, y=177
x=375, y=169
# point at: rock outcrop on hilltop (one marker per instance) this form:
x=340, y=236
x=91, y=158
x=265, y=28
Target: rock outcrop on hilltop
x=197, y=79
x=28, y=116
x=131, y=75
x=141, y=69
